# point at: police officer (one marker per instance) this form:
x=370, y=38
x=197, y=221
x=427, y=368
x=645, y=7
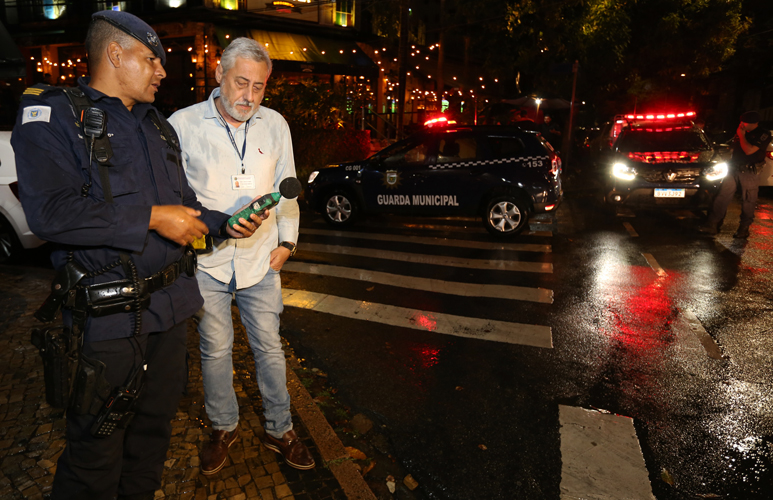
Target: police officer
x=751, y=143
x=125, y=219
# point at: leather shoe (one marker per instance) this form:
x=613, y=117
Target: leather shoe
x=216, y=451
x=292, y=449
x=742, y=233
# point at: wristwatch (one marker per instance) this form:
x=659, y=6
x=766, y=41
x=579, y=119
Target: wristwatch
x=290, y=246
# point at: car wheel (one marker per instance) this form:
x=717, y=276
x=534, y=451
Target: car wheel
x=340, y=209
x=9, y=244
x=506, y=216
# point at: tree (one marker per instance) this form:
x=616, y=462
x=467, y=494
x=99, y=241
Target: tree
x=627, y=49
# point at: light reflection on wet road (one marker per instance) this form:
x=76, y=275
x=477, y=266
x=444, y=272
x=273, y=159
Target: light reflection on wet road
x=622, y=342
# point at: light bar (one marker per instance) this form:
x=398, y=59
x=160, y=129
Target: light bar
x=660, y=116
x=441, y=120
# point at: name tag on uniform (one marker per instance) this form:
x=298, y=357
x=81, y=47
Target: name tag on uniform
x=242, y=182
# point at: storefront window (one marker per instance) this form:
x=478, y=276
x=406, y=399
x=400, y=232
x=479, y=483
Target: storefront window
x=53, y=9
x=344, y=13
x=111, y=5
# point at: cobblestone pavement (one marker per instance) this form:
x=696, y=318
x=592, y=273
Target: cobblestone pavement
x=32, y=433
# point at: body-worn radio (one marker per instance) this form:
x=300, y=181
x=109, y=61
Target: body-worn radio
x=116, y=413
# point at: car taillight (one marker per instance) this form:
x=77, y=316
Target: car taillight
x=770, y=155
x=555, y=165
x=14, y=189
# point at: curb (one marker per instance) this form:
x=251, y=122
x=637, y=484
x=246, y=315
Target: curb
x=328, y=443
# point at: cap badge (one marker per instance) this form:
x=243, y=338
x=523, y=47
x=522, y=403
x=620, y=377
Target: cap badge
x=152, y=39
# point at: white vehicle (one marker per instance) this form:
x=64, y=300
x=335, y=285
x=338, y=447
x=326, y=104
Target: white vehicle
x=15, y=235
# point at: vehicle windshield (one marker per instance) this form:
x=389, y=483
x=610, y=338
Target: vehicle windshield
x=661, y=139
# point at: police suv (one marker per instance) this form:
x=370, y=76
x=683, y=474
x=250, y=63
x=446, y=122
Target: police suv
x=501, y=174
x=662, y=160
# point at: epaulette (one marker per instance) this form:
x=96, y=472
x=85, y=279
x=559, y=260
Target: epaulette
x=39, y=89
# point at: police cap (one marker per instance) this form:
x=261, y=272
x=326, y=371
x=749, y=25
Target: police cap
x=134, y=26
x=750, y=117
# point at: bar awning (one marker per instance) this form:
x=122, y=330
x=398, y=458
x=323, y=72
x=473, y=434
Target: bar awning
x=307, y=52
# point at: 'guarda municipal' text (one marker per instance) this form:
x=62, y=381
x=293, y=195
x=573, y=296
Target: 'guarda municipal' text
x=437, y=200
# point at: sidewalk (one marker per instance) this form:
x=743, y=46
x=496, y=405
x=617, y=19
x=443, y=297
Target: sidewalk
x=32, y=433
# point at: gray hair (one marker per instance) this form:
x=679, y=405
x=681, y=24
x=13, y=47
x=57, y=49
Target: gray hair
x=246, y=48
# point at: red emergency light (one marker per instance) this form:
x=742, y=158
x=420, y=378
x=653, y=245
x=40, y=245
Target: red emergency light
x=664, y=157
x=439, y=122
x=661, y=116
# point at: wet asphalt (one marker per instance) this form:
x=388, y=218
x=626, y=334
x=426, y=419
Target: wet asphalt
x=475, y=419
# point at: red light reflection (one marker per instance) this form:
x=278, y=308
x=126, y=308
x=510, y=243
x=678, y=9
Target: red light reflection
x=424, y=321
x=640, y=315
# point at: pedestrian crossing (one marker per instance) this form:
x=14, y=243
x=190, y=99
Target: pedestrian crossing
x=517, y=261
x=600, y=452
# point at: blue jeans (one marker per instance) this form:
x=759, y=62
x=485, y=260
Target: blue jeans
x=259, y=307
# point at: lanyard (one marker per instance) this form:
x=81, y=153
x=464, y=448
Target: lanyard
x=233, y=140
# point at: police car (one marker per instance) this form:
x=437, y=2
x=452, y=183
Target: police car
x=15, y=235
x=501, y=174
x=662, y=160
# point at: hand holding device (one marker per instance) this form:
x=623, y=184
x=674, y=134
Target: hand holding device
x=288, y=188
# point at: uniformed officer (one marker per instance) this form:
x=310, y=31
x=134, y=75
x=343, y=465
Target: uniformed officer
x=751, y=143
x=129, y=221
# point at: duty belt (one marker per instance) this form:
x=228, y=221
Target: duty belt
x=103, y=299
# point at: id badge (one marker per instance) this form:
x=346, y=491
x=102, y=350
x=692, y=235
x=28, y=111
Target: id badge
x=242, y=182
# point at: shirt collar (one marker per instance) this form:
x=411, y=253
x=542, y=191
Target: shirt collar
x=212, y=112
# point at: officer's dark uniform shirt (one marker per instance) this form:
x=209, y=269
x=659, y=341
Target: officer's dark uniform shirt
x=53, y=164
x=759, y=137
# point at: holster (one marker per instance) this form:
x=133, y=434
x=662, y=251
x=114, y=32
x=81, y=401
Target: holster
x=90, y=387
x=64, y=281
x=60, y=355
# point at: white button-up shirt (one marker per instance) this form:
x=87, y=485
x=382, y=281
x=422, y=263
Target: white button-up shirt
x=210, y=160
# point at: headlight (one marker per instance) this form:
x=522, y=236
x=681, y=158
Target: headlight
x=623, y=171
x=716, y=172
x=313, y=176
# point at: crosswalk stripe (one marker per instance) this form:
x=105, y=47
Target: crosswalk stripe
x=630, y=229
x=542, y=295
x=654, y=264
x=601, y=457
x=448, y=324
x=426, y=240
x=439, y=260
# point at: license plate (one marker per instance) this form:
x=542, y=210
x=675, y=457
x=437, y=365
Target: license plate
x=669, y=193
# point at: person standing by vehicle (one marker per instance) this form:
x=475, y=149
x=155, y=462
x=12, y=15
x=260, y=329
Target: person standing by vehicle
x=120, y=234
x=236, y=149
x=551, y=132
x=751, y=142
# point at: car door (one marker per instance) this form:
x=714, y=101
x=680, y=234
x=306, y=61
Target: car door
x=390, y=179
x=448, y=186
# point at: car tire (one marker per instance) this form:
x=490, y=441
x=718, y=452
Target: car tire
x=340, y=209
x=9, y=243
x=506, y=216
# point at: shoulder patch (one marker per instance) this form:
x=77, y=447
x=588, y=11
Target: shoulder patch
x=36, y=114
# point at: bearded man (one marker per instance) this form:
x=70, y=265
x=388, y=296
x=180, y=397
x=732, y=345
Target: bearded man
x=234, y=150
